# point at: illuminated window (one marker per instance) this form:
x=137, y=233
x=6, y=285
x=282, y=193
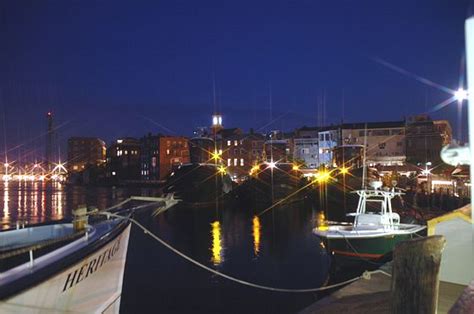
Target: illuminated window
x=241, y=161
x=228, y=162
x=126, y=152
x=236, y=142
x=220, y=151
x=167, y=152
x=228, y=143
x=235, y=161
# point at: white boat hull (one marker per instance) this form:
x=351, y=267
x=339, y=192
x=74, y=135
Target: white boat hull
x=92, y=285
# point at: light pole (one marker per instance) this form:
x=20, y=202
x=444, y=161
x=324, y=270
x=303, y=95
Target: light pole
x=469, y=31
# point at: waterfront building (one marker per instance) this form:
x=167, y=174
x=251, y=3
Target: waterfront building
x=423, y=140
x=201, y=149
x=385, y=141
x=161, y=154
x=329, y=138
x=306, y=146
x=279, y=147
x=174, y=151
x=239, y=152
x=444, y=128
x=124, y=160
x=217, y=125
x=150, y=156
x=83, y=152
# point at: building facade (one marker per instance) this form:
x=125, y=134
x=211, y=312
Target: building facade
x=124, y=160
x=306, y=147
x=328, y=139
x=423, y=141
x=85, y=151
x=239, y=152
x=385, y=141
x=161, y=154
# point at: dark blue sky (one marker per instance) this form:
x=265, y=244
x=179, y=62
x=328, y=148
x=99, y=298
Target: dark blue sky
x=109, y=68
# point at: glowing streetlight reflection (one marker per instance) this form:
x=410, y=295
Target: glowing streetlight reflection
x=216, y=247
x=6, y=200
x=256, y=232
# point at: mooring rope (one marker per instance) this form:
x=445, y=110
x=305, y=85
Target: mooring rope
x=366, y=275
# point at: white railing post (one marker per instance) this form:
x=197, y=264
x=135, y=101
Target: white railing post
x=469, y=29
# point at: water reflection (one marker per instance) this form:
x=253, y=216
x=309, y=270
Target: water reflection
x=6, y=199
x=216, y=248
x=31, y=202
x=57, y=201
x=256, y=232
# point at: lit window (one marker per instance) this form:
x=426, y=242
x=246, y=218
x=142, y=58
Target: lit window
x=220, y=151
x=214, y=120
x=126, y=152
x=167, y=152
x=236, y=142
x=228, y=162
x=241, y=161
x=235, y=161
x=228, y=143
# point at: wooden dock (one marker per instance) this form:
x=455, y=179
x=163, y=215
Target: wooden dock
x=373, y=295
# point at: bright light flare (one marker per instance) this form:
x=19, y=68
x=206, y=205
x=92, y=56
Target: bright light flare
x=344, y=170
x=323, y=176
x=426, y=172
x=216, y=155
x=461, y=94
x=254, y=170
x=272, y=164
x=222, y=170
x=296, y=167
x=6, y=177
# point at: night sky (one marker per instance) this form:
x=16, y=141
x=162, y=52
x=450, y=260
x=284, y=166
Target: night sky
x=125, y=68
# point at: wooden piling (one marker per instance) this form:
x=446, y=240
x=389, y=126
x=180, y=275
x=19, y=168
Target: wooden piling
x=415, y=275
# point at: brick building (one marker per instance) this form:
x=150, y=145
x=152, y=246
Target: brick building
x=123, y=160
x=160, y=154
x=85, y=151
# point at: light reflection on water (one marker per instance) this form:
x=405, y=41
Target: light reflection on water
x=279, y=252
x=31, y=202
x=217, y=245
x=256, y=232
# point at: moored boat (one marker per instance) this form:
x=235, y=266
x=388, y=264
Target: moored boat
x=375, y=231
x=66, y=267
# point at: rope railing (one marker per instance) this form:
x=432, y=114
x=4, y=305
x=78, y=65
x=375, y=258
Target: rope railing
x=366, y=275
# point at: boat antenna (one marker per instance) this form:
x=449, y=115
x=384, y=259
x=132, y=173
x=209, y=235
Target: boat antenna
x=364, y=162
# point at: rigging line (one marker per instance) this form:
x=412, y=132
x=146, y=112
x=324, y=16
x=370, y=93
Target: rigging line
x=366, y=275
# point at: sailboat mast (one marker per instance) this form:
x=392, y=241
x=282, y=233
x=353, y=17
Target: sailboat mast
x=364, y=168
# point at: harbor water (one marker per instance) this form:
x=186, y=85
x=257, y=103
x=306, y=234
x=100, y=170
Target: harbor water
x=275, y=249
